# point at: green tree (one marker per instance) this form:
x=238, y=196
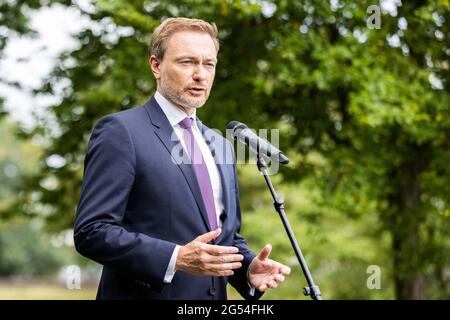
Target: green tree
x=364, y=111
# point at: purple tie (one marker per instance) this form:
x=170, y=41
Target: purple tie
x=201, y=171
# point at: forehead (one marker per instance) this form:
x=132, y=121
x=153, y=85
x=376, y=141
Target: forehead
x=191, y=43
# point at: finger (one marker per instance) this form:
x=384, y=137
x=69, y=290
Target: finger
x=220, y=250
x=262, y=288
x=224, y=266
x=224, y=258
x=264, y=254
x=207, y=237
x=285, y=270
x=273, y=284
x=225, y=273
x=279, y=278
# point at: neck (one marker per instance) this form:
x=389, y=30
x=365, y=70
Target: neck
x=188, y=111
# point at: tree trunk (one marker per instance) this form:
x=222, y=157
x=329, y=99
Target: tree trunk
x=411, y=288
x=409, y=282
x=405, y=220
x=409, y=285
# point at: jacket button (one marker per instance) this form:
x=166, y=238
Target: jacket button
x=212, y=291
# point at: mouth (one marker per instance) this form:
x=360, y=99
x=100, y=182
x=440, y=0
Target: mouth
x=197, y=90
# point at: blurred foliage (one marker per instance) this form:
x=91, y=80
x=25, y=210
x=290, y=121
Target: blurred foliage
x=24, y=251
x=338, y=251
x=18, y=159
x=14, y=18
x=364, y=115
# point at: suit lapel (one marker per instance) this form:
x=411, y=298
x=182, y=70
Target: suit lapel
x=165, y=132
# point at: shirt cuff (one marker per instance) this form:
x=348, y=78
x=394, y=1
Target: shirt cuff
x=251, y=290
x=170, y=272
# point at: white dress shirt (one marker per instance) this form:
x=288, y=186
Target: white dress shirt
x=175, y=115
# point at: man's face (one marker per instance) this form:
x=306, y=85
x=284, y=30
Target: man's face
x=186, y=73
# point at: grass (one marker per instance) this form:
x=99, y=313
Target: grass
x=42, y=289
x=24, y=290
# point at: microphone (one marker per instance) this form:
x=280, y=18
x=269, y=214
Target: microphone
x=258, y=145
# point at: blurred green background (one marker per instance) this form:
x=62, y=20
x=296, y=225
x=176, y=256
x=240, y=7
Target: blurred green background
x=359, y=91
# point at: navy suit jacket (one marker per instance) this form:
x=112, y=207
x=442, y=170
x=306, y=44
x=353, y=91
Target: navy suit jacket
x=136, y=205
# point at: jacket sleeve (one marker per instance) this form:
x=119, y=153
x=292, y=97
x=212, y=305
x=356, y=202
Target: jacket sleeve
x=99, y=234
x=239, y=280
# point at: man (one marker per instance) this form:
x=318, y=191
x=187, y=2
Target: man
x=164, y=229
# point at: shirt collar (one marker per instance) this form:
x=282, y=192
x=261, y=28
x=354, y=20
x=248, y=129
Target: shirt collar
x=173, y=114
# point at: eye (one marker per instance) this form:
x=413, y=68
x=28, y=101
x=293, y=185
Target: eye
x=186, y=62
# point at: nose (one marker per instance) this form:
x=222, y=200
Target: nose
x=199, y=73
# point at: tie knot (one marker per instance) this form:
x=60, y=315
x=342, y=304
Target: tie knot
x=186, y=123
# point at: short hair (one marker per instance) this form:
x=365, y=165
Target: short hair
x=170, y=26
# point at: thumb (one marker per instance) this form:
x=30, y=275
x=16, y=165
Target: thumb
x=264, y=254
x=207, y=237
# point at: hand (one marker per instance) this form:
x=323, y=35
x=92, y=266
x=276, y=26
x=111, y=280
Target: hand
x=264, y=273
x=199, y=258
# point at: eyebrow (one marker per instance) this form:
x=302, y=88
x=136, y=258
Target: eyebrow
x=194, y=58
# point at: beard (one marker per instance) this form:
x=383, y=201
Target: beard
x=181, y=97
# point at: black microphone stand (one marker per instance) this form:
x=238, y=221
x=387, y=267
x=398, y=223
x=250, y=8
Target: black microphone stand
x=311, y=290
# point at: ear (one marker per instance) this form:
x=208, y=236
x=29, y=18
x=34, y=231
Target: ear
x=155, y=66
